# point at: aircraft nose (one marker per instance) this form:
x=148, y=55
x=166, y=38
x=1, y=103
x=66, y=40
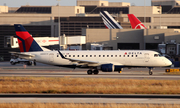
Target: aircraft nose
x=168, y=62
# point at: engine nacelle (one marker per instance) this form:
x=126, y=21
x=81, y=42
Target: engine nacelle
x=107, y=68
x=118, y=68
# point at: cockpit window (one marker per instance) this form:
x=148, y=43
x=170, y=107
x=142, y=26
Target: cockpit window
x=160, y=55
x=156, y=55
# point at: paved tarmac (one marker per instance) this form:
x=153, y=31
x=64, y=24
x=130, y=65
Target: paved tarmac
x=135, y=99
x=42, y=70
x=51, y=71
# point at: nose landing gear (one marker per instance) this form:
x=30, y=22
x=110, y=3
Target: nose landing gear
x=150, y=71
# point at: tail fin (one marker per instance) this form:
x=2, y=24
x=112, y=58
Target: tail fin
x=109, y=21
x=135, y=22
x=25, y=40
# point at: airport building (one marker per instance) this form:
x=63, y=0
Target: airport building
x=161, y=19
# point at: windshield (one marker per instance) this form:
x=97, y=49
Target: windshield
x=160, y=55
x=157, y=55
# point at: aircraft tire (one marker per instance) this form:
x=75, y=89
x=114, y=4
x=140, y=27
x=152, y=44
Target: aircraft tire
x=150, y=72
x=12, y=63
x=96, y=72
x=89, y=72
x=34, y=63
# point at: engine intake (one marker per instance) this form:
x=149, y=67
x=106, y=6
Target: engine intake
x=107, y=68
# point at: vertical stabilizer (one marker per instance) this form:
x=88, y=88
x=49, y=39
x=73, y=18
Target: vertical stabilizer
x=109, y=21
x=25, y=40
x=135, y=22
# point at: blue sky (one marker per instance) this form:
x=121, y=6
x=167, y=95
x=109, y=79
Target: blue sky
x=18, y=3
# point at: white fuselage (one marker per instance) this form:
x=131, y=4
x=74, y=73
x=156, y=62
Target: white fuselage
x=125, y=58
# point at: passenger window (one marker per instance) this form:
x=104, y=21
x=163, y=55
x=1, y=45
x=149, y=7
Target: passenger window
x=69, y=55
x=86, y=55
x=136, y=56
x=111, y=55
x=73, y=55
x=107, y=55
x=119, y=55
x=99, y=55
x=94, y=55
x=77, y=55
x=82, y=55
x=115, y=55
x=103, y=55
x=132, y=55
x=124, y=55
x=57, y=55
x=90, y=55
x=65, y=55
x=128, y=56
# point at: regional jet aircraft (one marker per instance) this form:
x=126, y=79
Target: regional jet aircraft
x=106, y=61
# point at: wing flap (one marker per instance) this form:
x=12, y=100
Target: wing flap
x=84, y=62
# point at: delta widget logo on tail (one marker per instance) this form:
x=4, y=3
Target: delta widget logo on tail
x=25, y=40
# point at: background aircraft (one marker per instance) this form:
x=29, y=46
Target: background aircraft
x=135, y=22
x=109, y=21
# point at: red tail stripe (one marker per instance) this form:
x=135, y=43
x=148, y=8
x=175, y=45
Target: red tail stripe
x=20, y=46
x=23, y=34
x=134, y=21
x=26, y=37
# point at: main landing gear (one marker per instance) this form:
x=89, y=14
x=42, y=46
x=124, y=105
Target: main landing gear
x=90, y=72
x=150, y=71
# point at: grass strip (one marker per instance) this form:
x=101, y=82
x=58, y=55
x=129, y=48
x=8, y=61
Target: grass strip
x=51, y=105
x=68, y=85
x=172, y=73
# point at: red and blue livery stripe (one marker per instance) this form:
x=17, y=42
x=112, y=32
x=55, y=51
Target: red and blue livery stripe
x=25, y=40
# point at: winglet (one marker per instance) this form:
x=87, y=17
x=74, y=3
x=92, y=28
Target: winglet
x=61, y=54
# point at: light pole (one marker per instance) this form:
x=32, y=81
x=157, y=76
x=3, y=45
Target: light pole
x=145, y=13
x=145, y=23
x=59, y=32
x=160, y=14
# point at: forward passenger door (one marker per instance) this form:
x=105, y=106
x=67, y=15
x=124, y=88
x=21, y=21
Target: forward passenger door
x=146, y=57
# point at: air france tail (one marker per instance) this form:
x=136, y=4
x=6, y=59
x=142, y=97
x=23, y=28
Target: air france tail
x=25, y=40
x=135, y=22
x=109, y=21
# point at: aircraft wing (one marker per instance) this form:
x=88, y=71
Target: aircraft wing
x=81, y=62
x=22, y=54
x=87, y=63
